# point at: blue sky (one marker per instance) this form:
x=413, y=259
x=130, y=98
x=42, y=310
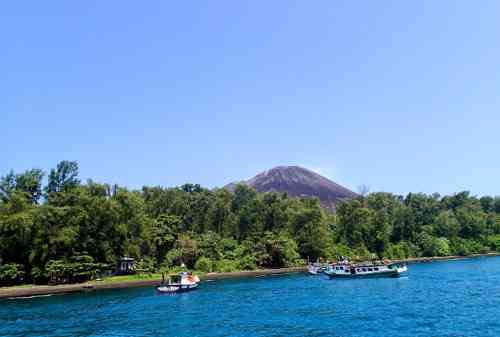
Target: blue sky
x=401, y=96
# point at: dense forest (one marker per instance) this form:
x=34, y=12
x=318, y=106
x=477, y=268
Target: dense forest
x=70, y=231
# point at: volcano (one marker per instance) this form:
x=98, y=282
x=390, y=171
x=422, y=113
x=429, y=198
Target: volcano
x=297, y=181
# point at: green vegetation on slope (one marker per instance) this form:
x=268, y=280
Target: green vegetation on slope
x=70, y=231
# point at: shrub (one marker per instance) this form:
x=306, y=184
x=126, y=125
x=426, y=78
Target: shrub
x=78, y=268
x=459, y=247
x=203, y=264
x=465, y=247
x=226, y=266
x=145, y=266
x=494, y=242
x=361, y=253
x=38, y=275
x=339, y=250
x=173, y=258
x=401, y=250
x=443, y=247
x=247, y=262
x=432, y=246
x=290, y=253
x=11, y=273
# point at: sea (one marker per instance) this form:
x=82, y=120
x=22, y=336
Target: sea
x=446, y=298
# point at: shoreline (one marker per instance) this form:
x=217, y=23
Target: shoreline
x=445, y=258
x=47, y=290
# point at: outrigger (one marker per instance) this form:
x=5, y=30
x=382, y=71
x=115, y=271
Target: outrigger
x=177, y=283
x=367, y=269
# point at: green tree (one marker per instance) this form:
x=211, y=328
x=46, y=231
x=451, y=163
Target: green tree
x=28, y=183
x=204, y=264
x=472, y=221
x=11, y=273
x=487, y=204
x=446, y=225
x=63, y=177
x=312, y=233
x=163, y=234
x=496, y=205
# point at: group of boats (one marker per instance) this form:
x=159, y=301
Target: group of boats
x=186, y=281
x=347, y=269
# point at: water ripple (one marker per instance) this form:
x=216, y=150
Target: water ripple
x=452, y=299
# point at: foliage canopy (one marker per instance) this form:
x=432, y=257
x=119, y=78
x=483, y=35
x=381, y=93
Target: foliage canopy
x=71, y=231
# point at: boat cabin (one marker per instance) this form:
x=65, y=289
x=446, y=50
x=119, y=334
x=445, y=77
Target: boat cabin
x=176, y=279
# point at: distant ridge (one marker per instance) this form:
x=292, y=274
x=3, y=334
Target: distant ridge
x=297, y=181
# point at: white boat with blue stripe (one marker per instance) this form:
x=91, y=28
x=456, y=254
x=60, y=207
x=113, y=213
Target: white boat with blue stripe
x=370, y=269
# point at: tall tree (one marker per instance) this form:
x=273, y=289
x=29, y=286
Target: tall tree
x=63, y=177
x=29, y=183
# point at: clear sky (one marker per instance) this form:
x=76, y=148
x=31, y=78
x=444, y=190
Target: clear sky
x=398, y=95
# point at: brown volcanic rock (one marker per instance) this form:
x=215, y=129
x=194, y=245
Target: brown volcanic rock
x=299, y=182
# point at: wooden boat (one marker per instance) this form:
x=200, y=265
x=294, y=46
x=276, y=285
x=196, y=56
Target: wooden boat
x=315, y=268
x=369, y=269
x=178, y=283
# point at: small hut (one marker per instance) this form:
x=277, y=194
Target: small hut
x=125, y=265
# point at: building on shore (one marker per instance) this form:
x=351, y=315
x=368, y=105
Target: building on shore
x=125, y=265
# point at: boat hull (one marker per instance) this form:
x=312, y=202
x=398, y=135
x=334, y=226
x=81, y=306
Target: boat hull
x=314, y=270
x=394, y=270
x=176, y=288
x=371, y=275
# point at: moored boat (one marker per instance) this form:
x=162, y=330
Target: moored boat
x=177, y=283
x=315, y=268
x=370, y=269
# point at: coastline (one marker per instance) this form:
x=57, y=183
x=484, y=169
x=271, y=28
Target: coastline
x=445, y=258
x=47, y=290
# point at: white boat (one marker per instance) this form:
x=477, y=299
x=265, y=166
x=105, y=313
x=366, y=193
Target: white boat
x=179, y=283
x=367, y=269
x=315, y=268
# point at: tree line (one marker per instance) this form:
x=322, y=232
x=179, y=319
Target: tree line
x=69, y=231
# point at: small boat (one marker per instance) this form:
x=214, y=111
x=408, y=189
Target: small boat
x=368, y=269
x=315, y=268
x=178, y=283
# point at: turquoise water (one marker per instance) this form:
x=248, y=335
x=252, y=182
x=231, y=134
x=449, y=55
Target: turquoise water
x=454, y=298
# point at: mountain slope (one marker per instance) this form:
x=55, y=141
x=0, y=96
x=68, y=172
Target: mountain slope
x=299, y=182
